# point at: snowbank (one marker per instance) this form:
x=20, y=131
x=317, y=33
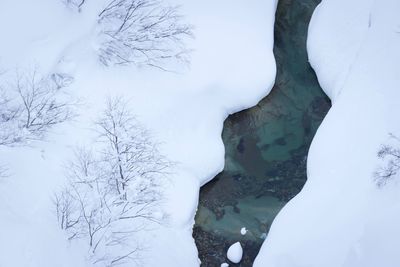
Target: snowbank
x=232, y=68
x=341, y=218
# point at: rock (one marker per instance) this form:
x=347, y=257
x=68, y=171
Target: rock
x=235, y=253
x=236, y=209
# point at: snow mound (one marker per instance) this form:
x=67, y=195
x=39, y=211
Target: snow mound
x=235, y=253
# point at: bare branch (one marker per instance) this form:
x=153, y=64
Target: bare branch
x=143, y=32
x=111, y=192
x=391, y=156
x=32, y=106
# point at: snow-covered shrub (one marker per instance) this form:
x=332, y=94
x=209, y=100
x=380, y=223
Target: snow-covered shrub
x=113, y=191
x=32, y=106
x=390, y=154
x=142, y=32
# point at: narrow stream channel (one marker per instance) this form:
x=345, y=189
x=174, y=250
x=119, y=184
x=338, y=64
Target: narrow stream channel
x=266, y=148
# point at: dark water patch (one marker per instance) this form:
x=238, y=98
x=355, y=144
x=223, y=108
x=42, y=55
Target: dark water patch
x=266, y=148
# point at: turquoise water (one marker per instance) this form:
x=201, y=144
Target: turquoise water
x=253, y=212
x=266, y=148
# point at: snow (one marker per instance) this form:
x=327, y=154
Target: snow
x=341, y=218
x=263, y=236
x=243, y=231
x=235, y=252
x=184, y=111
x=224, y=264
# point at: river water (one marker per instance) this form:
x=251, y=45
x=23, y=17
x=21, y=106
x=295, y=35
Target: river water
x=266, y=148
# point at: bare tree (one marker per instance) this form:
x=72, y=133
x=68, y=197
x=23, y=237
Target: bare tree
x=142, y=32
x=9, y=120
x=86, y=209
x=32, y=106
x=66, y=209
x=112, y=193
x=390, y=154
x=129, y=151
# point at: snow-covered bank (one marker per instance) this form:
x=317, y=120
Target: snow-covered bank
x=341, y=218
x=232, y=69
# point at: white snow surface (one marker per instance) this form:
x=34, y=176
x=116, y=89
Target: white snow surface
x=341, y=218
x=243, y=231
x=232, y=68
x=235, y=252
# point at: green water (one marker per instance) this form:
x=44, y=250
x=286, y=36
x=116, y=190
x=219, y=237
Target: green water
x=266, y=148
